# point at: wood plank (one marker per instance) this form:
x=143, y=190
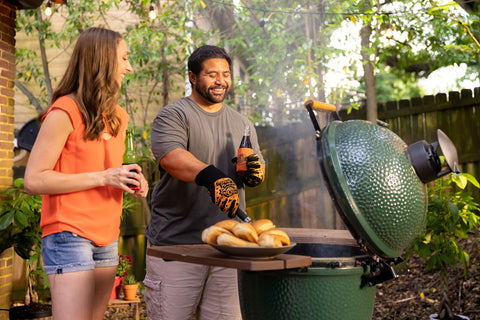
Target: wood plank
x=293, y=261
x=207, y=255
x=324, y=236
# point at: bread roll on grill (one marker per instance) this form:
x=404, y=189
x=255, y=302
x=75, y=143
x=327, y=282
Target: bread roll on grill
x=210, y=234
x=226, y=239
x=263, y=225
x=227, y=224
x=245, y=231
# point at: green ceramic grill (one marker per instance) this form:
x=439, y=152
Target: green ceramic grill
x=378, y=183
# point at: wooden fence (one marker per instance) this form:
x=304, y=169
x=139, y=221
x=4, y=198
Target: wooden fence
x=456, y=114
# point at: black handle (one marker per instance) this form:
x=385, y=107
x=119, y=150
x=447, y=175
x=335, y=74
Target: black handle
x=242, y=215
x=313, y=118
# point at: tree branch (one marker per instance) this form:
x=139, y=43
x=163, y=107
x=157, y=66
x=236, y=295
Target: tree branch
x=29, y=95
x=43, y=53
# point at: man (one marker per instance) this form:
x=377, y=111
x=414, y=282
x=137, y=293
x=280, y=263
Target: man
x=194, y=140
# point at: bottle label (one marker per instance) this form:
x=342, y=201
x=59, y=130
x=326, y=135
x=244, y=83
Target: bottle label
x=242, y=155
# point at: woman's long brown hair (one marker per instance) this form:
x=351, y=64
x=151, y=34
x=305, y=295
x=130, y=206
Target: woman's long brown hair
x=92, y=75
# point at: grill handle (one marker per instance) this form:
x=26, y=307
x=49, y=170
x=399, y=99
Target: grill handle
x=318, y=106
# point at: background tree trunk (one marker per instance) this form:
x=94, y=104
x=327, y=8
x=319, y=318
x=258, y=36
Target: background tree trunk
x=369, y=73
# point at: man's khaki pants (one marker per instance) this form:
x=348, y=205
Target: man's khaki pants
x=182, y=291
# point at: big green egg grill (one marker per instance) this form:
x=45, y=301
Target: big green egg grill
x=377, y=182
x=378, y=185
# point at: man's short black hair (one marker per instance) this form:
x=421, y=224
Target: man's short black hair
x=195, y=62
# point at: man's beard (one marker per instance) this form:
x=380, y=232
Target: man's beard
x=206, y=93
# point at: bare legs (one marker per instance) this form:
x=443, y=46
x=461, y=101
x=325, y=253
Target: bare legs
x=81, y=295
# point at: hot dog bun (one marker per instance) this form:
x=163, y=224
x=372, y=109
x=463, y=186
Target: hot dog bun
x=269, y=241
x=278, y=234
x=245, y=231
x=263, y=225
x=210, y=234
x=226, y=239
x=227, y=224
x=260, y=233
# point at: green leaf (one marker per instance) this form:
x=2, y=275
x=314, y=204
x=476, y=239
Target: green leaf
x=427, y=238
x=453, y=208
x=471, y=179
x=18, y=183
x=460, y=180
x=6, y=219
x=21, y=220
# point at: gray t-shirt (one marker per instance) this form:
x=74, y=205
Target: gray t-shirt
x=182, y=210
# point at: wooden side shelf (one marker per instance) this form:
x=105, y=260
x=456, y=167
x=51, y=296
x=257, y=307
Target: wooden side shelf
x=207, y=255
x=120, y=303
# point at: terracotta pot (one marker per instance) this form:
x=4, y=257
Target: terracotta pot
x=117, y=285
x=130, y=291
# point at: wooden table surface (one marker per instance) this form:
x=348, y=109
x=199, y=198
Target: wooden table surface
x=207, y=255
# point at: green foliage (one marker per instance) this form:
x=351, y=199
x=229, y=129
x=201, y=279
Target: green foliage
x=32, y=64
x=20, y=221
x=285, y=47
x=451, y=216
x=284, y=50
x=289, y=50
x=434, y=37
x=129, y=279
x=395, y=87
x=20, y=228
x=129, y=203
x=157, y=58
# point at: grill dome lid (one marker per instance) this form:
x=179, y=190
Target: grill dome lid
x=377, y=188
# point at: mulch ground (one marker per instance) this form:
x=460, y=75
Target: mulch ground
x=417, y=294
x=413, y=296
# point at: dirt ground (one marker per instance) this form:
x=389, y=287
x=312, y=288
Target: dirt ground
x=413, y=296
x=416, y=295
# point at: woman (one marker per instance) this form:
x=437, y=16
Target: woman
x=76, y=164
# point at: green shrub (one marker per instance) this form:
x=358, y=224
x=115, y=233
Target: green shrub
x=452, y=214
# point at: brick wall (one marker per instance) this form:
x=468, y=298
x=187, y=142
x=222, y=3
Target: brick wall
x=6, y=278
x=7, y=77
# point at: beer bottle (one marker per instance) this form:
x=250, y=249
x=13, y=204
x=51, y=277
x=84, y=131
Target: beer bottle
x=244, y=151
x=130, y=156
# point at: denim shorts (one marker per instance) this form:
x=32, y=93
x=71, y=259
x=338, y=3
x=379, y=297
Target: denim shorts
x=67, y=252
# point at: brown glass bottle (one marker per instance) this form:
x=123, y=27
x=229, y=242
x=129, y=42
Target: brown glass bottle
x=244, y=151
x=130, y=155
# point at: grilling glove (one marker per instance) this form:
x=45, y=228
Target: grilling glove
x=222, y=190
x=254, y=174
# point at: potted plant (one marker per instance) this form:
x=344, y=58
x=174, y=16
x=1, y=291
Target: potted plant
x=451, y=216
x=123, y=268
x=129, y=287
x=20, y=229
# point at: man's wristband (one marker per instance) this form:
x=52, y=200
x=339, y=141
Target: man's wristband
x=209, y=175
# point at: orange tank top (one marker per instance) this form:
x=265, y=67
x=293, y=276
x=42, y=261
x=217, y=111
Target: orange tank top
x=94, y=213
